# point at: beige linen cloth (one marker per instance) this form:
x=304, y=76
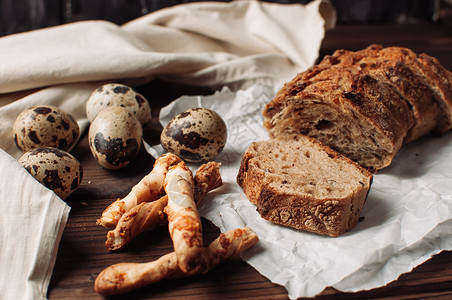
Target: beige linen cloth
x=208, y=44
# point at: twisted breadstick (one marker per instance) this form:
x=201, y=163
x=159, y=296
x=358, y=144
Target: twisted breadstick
x=207, y=178
x=150, y=188
x=148, y=215
x=144, y=216
x=184, y=222
x=125, y=277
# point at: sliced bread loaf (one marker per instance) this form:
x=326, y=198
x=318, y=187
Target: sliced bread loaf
x=395, y=74
x=365, y=104
x=298, y=182
x=433, y=74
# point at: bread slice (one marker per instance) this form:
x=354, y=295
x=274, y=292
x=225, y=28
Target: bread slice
x=300, y=183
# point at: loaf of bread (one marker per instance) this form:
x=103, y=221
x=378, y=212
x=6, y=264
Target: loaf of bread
x=298, y=182
x=362, y=104
x=365, y=104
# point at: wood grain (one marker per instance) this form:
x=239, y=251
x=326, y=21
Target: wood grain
x=82, y=254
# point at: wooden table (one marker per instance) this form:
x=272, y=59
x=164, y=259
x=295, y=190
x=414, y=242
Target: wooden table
x=82, y=254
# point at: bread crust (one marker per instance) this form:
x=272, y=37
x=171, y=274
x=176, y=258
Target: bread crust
x=329, y=213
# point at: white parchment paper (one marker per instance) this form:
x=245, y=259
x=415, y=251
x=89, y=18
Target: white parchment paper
x=407, y=215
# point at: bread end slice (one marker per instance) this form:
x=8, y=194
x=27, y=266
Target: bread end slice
x=300, y=183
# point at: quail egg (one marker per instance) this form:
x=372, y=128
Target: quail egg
x=196, y=135
x=45, y=126
x=115, y=137
x=114, y=94
x=54, y=168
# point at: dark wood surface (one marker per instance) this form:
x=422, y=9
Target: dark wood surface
x=82, y=254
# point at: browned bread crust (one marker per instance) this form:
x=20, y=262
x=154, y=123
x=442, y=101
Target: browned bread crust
x=365, y=104
x=300, y=183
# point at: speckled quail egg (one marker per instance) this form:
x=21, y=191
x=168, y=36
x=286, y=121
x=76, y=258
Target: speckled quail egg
x=54, y=168
x=114, y=94
x=45, y=126
x=115, y=137
x=196, y=135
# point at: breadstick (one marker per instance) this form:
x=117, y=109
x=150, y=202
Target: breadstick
x=148, y=215
x=125, y=277
x=144, y=216
x=228, y=245
x=207, y=178
x=150, y=188
x=184, y=222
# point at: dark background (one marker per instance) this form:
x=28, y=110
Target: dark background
x=24, y=15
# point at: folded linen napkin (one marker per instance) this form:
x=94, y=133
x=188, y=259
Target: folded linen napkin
x=32, y=220
x=207, y=44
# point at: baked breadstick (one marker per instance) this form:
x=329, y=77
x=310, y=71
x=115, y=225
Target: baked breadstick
x=144, y=216
x=148, y=215
x=184, y=222
x=150, y=188
x=125, y=277
x=228, y=245
x=207, y=178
